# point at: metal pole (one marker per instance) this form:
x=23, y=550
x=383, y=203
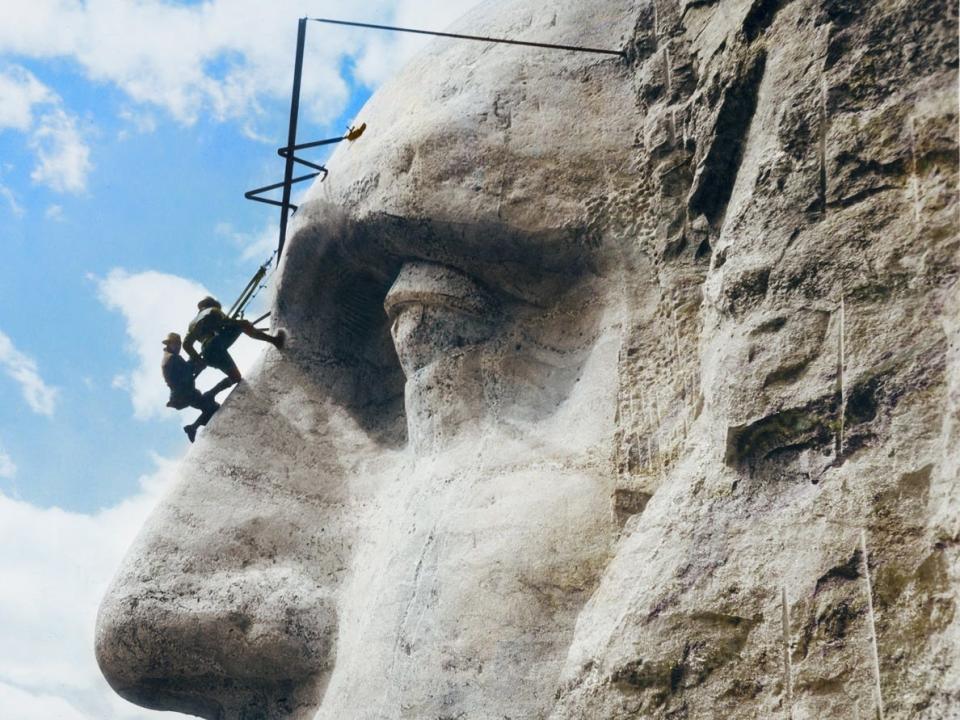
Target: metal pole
x=292, y=134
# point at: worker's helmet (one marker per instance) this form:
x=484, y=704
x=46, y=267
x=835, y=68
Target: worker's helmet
x=208, y=302
x=171, y=338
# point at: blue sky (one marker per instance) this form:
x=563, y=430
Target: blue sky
x=160, y=200
x=129, y=131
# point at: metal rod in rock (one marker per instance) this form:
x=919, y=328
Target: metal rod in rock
x=479, y=38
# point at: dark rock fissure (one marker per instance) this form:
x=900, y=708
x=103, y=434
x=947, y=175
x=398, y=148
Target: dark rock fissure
x=717, y=174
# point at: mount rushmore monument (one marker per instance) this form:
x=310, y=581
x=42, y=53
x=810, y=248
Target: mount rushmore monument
x=615, y=387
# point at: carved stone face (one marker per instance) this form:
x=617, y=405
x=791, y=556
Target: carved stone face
x=601, y=376
x=408, y=506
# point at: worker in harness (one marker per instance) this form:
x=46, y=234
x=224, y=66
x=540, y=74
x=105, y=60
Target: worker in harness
x=180, y=375
x=216, y=332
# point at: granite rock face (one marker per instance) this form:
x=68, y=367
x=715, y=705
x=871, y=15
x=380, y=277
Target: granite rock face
x=615, y=388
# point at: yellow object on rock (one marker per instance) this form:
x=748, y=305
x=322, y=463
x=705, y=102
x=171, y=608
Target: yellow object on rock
x=354, y=132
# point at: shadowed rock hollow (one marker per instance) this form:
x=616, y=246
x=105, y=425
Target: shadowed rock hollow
x=615, y=388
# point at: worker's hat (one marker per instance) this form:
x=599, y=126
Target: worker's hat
x=208, y=302
x=171, y=338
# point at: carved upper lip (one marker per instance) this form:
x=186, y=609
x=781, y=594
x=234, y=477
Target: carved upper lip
x=432, y=284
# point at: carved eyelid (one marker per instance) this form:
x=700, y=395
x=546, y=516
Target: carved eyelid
x=428, y=283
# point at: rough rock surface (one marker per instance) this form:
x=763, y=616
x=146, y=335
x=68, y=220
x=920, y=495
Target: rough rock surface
x=614, y=389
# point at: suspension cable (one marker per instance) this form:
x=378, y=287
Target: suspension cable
x=478, y=38
x=258, y=282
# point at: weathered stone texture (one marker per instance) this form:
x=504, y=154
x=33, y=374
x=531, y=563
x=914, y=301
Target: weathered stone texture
x=603, y=375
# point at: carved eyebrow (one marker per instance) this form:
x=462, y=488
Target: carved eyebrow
x=530, y=267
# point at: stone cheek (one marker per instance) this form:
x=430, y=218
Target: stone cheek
x=614, y=389
x=790, y=556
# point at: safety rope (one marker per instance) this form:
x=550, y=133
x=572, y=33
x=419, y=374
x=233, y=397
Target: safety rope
x=258, y=282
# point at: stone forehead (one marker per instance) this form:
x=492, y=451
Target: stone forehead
x=471, y=131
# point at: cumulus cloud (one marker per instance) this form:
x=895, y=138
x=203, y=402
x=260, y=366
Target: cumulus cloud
x=21, y=92
x=219, y=57
x=28, y=706
x=56, y=566
x=63, y=158
x=23, y=369
x=154, y=304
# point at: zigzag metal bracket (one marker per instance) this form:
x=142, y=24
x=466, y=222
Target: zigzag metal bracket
x=255, y=194
x=285, y=152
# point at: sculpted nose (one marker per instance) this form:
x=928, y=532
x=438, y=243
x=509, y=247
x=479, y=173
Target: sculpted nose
x=244, y=647
x=223, y=608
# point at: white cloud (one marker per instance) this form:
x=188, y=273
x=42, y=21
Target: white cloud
x=63, y=159
x=24, y=705
x=7, y=194
x=220, y=57
x=20, y=91
x=54, y=212
x=8, y=469
x=56, y=567
x=383, y=53
x=154, y=304
x=23, y=369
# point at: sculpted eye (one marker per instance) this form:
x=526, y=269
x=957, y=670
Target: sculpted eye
x=434, y=310
x=429, y=284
